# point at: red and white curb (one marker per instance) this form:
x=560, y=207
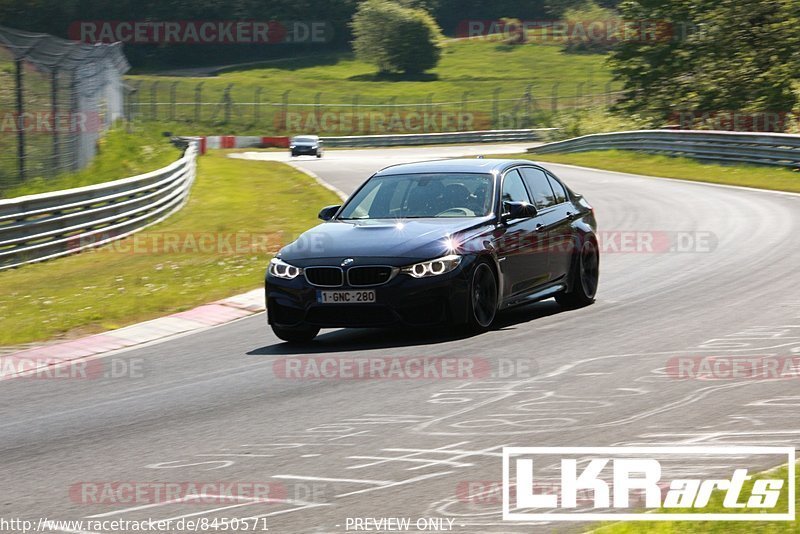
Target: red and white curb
x=200, y=318
x=241, y=141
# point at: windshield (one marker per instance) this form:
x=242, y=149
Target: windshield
x=304, y=140
x=409, y=196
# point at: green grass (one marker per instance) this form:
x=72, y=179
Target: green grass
x=674, y=167
x=715, y=506
x=121, y=154
x=108, y=288
x=472, y=70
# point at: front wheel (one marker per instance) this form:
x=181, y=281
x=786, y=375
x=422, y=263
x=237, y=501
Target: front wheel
x=482, y=297
x=295, y=334
x=319, y=153
x=584, y=278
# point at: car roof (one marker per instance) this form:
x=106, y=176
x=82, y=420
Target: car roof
x=467, y=165
x=308, y=136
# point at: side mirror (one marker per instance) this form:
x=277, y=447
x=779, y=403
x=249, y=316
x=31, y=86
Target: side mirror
x=517, y=210
x=327, y=213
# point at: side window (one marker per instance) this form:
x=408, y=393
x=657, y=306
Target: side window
x=539, y=186
x=558, y=189
x=513, y=188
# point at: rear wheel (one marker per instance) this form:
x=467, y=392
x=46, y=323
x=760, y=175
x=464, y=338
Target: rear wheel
x=482, y=297
x=295, y=334
x=584, y=277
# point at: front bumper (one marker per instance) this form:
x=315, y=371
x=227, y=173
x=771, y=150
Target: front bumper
x=401, y=301
x=301, y=150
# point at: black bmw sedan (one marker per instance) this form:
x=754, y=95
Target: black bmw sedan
x=433, y=242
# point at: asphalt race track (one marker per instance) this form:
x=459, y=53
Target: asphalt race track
x=715, y=273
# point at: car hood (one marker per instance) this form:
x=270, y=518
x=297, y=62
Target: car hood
x=393, y=242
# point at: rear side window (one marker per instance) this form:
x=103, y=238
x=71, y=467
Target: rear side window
x=539, y=186
x=514, y=189
x=558, y=189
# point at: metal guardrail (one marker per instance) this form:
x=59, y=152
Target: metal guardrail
x=35, y=228
x=738, y=147
x=481, y=136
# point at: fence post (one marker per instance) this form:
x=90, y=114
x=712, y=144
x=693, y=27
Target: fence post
x=285, y=102
x=20, y=121
x=54, y=111
x=496, y=107
x=554, y=98
x=173, y=89
x=317, y=110
x=228, y=102
x=353, y=129
x=74, y=105
x=528, y=107
x=579, y=95
x=257, y=105
x=153, y=98
x=198, y=98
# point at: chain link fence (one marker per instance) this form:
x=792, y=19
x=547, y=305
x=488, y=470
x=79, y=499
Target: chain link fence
x=56, y=98
x=200, y=107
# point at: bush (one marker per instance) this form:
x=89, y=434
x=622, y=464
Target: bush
x=396, y=38
x=514, y=31
x=589, y=12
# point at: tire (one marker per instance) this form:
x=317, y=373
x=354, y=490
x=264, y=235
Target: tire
x=296, y=334
x=584, y=276
x=319, y=154
x=483, y=293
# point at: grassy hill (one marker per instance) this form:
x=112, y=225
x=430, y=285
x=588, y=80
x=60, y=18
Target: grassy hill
x=519, y=86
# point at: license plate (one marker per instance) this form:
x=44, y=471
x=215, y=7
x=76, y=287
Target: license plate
x=345, y=297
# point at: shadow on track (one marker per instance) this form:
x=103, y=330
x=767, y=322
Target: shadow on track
x=359, y=339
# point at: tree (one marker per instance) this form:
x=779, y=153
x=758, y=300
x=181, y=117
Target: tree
x=723, y=56
x=396, y=38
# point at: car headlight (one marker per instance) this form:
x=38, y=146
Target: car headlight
x=435, y=267
x=281, y=269
x=292, y=146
